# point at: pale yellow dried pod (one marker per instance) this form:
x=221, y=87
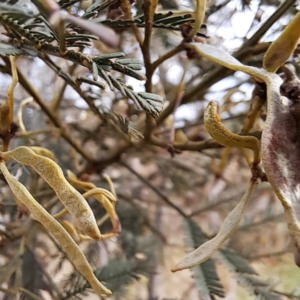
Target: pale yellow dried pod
x=71, y=231
x=20, y=113
x=224, y=137
x=108, y=206
x=283, y=47
x=57, y=230
x=111, y=185
x=43, y=151
x=229, y=226
x=86, y=186
x=103, y=196
x=68, y=195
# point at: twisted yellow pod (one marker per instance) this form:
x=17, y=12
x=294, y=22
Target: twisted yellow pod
x=104, y=197
x=71, y=231
x=108, y=206
x=229, y=226
x=43, y=151
x=111, y=186
x=86, y=186
x=20, y=113
x=283, y=47
x=68, y=195
x=68, y=244
x=226, y=138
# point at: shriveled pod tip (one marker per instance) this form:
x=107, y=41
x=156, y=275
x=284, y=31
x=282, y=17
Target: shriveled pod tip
x=71, y=230
x=78, y=183
x=226, y=138
x=103, y=196
x=68, y=195
x=206, y=250
x=43, y=151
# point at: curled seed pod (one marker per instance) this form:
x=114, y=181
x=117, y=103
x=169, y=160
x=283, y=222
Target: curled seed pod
x=20, y=119
x=280, y=136
x=68, y=195
x=86, y=186
x=283, y=47
x=104, y=197
x=78, y=183
x=108, y=206
x=43, y=151
x=205, y=251
x=57, y=230
x=60, y=214
x=20, y=113
x=71, y=231
x=223, y=136
x=111, y=186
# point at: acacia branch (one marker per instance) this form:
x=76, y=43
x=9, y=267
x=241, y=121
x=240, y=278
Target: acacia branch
x=243, y=54
x=33, y=93
x=154, y=189
x=194, y=146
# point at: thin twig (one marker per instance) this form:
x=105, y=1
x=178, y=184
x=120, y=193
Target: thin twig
x=216, y=204
x=262, y=222
x=32, y=92
x=268, y=255
x=58, y=97
x=199, y=16
x=193, y=146
x=126, y=7
x=10, y=92
x=50, y=281
x=86, y=98
x=166, y=56
x=22, y=290
x=177, y=103
x=149, y=9
x=153, y=188
x=244, y=53
x=146, y=220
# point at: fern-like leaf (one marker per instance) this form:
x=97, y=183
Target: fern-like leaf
x=6, y=50
x=168, y=20
x=206, y=277
x=116, y=274
x=245, y=275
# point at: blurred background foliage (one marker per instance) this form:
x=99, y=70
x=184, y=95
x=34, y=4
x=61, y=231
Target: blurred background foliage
x=174, y=184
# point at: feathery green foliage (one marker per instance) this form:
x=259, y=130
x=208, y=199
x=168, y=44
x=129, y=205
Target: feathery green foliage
x=245, y=275
x=206, y=277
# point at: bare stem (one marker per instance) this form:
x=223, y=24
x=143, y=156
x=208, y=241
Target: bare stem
x=64, y=133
